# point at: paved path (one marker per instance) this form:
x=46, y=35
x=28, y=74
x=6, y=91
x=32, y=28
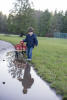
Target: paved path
x=17, y=83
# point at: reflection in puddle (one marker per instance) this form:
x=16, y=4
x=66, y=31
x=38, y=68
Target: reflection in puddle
x=21, y=70
x=27, y=80
x=19, y=81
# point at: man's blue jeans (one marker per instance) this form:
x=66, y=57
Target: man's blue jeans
x=29, y=52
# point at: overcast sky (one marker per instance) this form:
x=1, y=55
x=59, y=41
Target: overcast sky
x=51, y=5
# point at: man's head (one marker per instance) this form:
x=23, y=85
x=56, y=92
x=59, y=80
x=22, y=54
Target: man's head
x=24, y=91
x=30, y=29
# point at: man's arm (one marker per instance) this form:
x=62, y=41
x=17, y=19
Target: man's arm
x=25, y=40
x=35, y=40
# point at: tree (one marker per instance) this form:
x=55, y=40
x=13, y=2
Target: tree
x=36, y=16
x=44, y=23
x=64, y=27
x=56, y=22
x=21, y=17
x=3, y=23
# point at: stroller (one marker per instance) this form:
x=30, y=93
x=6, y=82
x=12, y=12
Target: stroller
x=20, y=49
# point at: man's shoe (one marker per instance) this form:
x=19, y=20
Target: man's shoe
x=29, y=59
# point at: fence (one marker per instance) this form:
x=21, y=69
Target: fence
x=60, y=35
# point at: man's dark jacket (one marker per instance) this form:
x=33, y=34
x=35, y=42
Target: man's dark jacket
x=31, y=41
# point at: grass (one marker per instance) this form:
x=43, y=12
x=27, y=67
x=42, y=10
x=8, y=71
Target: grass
x=10, y=38
x=50, y=59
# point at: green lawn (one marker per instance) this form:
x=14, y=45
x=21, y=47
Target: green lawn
x=50, y=60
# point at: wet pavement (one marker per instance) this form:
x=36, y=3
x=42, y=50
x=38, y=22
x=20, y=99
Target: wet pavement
x=18, y=79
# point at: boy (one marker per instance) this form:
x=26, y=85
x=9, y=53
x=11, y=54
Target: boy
x=31, y=41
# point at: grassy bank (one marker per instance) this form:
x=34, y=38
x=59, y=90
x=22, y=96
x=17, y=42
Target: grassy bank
x=50, y=59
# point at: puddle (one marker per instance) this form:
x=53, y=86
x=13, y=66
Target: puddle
x=19, y=81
